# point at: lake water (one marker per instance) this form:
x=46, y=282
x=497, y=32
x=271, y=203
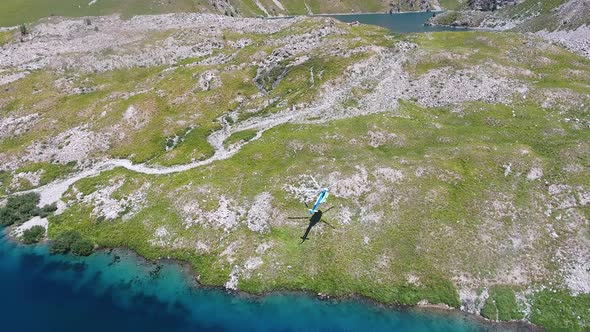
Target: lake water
x=400, y=23
x=117, y=291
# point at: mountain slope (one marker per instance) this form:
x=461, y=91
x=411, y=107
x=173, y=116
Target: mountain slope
x=526, y=16
x=566, y=22
x=459, y=160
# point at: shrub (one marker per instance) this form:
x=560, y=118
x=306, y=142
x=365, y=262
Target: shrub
x=82, y=247
x=63, y=242
x=71, y=241
x=19, y=209
x=47, y=209
x=33, y=234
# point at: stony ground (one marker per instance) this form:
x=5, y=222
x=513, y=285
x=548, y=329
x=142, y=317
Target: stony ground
x=458, y=162
x=563, y=22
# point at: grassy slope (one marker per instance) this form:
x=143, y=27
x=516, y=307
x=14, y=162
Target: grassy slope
x=451, y=4
x=425, y=234
x=14, y=12
x=501, y=305
x=174, y=105
x=531, y=15
x=547, y=15
x=6, y=36
x=336, y=261
x=431, y=223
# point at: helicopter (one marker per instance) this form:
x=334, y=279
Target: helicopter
x=322, y=197
x=316, y=213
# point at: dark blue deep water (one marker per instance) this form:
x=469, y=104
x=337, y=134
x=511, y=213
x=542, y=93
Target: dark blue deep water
x=117, y=291
x=399, y=23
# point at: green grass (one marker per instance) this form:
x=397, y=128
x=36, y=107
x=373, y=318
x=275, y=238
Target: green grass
x=50, y=172
x=501, y=305
x=244, y=136
x=15, y=12
x=162, y=115
x=468, y=49
x=451, y=4
x=543, y=15
x=335, y=261
x=561, y=311
x=5, y=179
x=532, y=6
x=6, y=36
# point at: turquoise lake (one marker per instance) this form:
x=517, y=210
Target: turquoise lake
x=399, y=23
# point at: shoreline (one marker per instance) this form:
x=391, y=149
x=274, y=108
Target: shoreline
x=439, y=309
x=191, y=276
x=376, y=13
x=347, y=14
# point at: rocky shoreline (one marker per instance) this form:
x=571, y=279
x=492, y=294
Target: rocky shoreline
x=442, y=309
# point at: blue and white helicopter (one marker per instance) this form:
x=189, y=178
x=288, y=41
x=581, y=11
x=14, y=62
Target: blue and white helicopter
x=316, y=213
x=322, y=198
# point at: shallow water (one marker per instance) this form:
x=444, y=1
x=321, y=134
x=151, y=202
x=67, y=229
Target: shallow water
x=399, y=23
x=117, y=291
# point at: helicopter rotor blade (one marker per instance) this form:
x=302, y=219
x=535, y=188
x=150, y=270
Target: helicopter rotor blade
x=330, y=208
x=298, y=218
x=325, y=222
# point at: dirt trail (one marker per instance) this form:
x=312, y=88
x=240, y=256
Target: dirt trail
x=385, y=66
x=328, y=107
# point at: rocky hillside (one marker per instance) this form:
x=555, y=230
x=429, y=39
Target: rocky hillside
x=458, y=161
x=527, y=15
x=566, y=22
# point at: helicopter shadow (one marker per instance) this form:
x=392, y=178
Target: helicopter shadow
x=313, y=221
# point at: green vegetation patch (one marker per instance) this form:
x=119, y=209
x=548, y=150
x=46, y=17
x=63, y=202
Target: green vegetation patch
x=241, y=136
x=561, y=311
x=19, y=209
x=501, y=305
x=6, y=36
x=71, y=242
x=546, y=68
x=15, y=12
x=49, y=171
x=33, y=234
x=451, y=4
